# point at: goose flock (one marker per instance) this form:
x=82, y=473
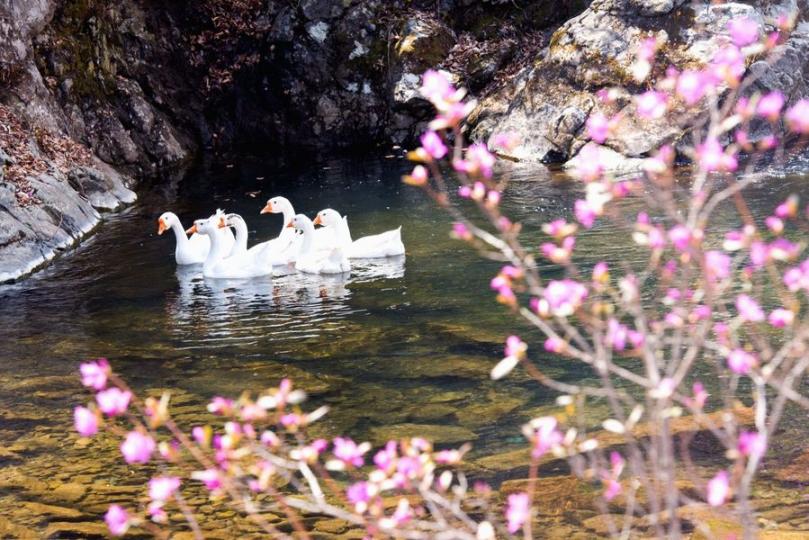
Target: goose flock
x=220, y=243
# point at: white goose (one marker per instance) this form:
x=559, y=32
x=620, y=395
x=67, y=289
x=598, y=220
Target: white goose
x=312, y=261
x=322, y=239
x=192, y=250
x=278, y=251
x=219, y=263
x=386, y=244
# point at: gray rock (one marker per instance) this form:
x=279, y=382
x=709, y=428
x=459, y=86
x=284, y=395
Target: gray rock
x=321, y=9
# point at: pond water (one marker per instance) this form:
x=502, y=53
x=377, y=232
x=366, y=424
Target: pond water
x=397, y=348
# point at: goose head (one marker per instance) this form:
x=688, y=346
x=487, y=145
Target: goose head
x=166, y=221
x=301, y=223
x=208, y=226
x=230, y=221
x=328, y=218
x=276, y=205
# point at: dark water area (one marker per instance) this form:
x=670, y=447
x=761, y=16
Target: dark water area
x=399, y=347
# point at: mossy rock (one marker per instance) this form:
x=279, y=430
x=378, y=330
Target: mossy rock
x=438, y=434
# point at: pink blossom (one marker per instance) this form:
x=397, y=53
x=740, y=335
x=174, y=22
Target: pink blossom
x=788, y=208
x=700, y=395
x=448, y=457
x=613, y=489
x=743, y=31
x=349, y=452
x=515, y=346
x=505, y=141
x=588, y=164
x=728, y=65
x=555, y=345
x=781, y=318
x=797, y=117
x=437, y=87
x=616, y=335
x=719, y=489
x=559, y=228
x=651, y=104
x=221, y=406
x=752, y=444
x=584, y=213
x=713, y=158
x=544, y=434
x=418, y=177
x=775, y=224
x=113, y=401
x=433, y=144
x=94, y=374
x=137, y=447
x=744, y=108
x=648, y=49
x=161, y=488
x=741, y=362
x=85, y=421
x=518, y=511
x=157, y=512
x=117, y=520
x=211, y=478
x=359, y=494
x=782, y=249
x=749, y=310
x=759, y=253
x=598, y=127
x=562, y=297
x=691, y=86
x=479, y=161
x=601, y=274
x=461, y=231
x=559, y=254
x=386, y=458
x=717, y=265
x=770, y=105
x=680, y=237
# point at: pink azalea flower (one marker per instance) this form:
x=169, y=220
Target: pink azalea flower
x=518, y=511
x=584, y=213
x=545, y=435
x=559, y=228
x=479, y=161
x=433, y=144
x=448, y=457
x=781, y=318
x=651, y=104
x=598, y=127
x=221, y=406
x=113, y=401
x=691, y=86
x=752, y=444
x=648, y=49
x=418, y=177
x=349, y=452
x=759, y=253
x=743, y=31
x=562, y=297
x=211, y=478
x=788, y=208
x=775, y=224
x=386, y=458
x=588, y=164
x=137, y=447
x=717, y=265
x=85, y=421
x=359, y=494
x=117, y=520
x=680, y=237
x=782, y=249
x=461, y=231
x=719, y=489
x=712, y=157
x=770, y=105
x=161, y=488
x=749, y=310
x=601, y=273
x=700, y=395
x=559, y=254
x=741, y=362
x=515, y=346
x=555, y=345
x=616, y=335
x=797, y=117
x=728, y=65
x=437, y=87
x=94, y=374
x=505, y=141
x=613, y=489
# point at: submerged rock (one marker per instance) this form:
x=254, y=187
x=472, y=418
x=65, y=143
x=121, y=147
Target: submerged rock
x=437, y=433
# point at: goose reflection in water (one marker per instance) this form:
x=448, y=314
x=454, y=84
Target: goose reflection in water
x=210, y=313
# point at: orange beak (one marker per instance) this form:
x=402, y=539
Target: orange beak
x=317, y=220
x=161, y=226
x=222, y=223
x=268, y=209
x=290, y=225
x=192, y=229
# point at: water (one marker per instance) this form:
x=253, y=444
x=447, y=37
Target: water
x=399, y=347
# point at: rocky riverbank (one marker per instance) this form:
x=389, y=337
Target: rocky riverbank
x=99, y=94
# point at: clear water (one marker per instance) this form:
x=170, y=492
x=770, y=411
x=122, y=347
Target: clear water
x=407, y=344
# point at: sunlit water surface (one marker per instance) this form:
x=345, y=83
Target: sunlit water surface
x=399, y=347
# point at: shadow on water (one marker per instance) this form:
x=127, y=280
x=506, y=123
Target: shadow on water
x=396, y=346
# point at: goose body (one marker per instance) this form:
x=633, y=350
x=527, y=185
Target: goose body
x=277, y=251
x=193, y=250
x=313, y=261
x=386, y=244
x=321, y=239
x=220, y=263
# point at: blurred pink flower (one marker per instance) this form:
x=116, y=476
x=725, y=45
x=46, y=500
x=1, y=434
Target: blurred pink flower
x=588, y=164
x=782, y=249
x=598, y=127
x=691, y=86
x=728, y=66
x=137, y=447
x=433, y=144
x=770, y=105
x=386, y=458
x=211, y=478
x=161, y=488
x=617, y=335
x=221, y=406
x=700, y=395
x=505, y=141
x=85, y=421
x=713, y=158
x=555, y=345
x=752, y=444
x=461, y=231
x=562, y=297
x=788, y=208
x=418, y=177
x=741, y=362
x=718, y=489
x=748, y=308
x=797, y=117
x=743, y=31
x=584, y=213
x=359, y=494
x=437, y=87
x=117, y=520
x=518, y=511
x=544, y=435
x=717, y=265
x=651, y=104
x=680, y=236
x=94, y=374
x=349, y=452
x=781, y=318
x=113, y=401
